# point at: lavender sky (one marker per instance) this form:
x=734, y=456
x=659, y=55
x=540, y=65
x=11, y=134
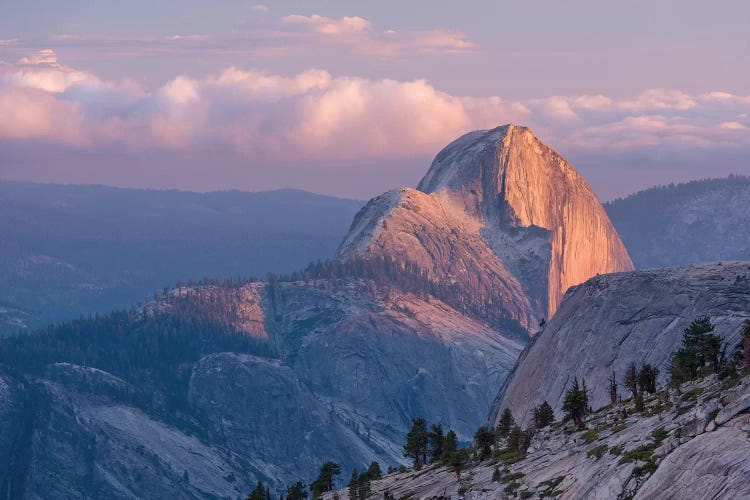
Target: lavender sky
x=351, y=98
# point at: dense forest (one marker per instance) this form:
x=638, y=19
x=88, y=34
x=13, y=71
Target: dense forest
x=153, y=351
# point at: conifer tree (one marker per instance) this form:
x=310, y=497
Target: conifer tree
x=505, y=424
x=437, y=441
x=612, y=390
x=296, y=491
x=576, y=403
x=374, y=472
x=700, y=347
x=544, y=415
x=647, y=379
x=456, y=461
x=363, y=486
x=451, y=443
x=259, y=493
x=325, y=480
x=416, y=442
x=484, y=438
x=354, y=485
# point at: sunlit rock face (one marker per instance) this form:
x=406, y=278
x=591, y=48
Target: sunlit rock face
x=503, y=216
x=610, y=321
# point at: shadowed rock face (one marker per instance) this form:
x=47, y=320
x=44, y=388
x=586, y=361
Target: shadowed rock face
x=610, y=321
x=502, y=205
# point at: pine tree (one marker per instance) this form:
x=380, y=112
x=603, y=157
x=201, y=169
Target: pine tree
x=363, y=486
x=484, y=438
x=700, y=346
x=451, y=443
x=514, y=438
x=296, y=491
x=576, y=403
x=647, y=379
x=374, y=472
x=354, y=485
x=506, y=424
x=437, y=441
x=416, y=442
x=259, y=493
x=613, y=390
x=325, y=480
x=456, y=461
x=631, y=382
x=543, y=415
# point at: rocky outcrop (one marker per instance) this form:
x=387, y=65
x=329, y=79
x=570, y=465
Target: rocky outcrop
x=613, y=320
x=618, y=454
x=501, y=205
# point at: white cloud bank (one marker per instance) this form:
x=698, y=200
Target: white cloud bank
x=316, y=115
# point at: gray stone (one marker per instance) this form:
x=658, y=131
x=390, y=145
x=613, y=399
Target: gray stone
x=739, y=406
x=713, y=465
x=617, y=319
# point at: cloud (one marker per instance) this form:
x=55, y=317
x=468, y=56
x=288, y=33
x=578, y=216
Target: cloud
x=328, y=26
x=259, y=8
x=189, y=38
x=444, y=41
x=44, y=57
x=659, y=99
x=361, y=36
x=732, y=126
x=314, y=116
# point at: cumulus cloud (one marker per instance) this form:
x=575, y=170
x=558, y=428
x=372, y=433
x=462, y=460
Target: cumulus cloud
x=260, y=114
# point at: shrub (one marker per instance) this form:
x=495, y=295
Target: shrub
x=597, y=451
x=590, y=436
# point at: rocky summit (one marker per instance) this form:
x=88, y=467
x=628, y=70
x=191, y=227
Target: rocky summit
x=501, y=215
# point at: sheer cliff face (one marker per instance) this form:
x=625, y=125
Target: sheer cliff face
x=534, y=223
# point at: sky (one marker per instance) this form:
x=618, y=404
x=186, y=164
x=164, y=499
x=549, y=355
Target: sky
x=351, y=98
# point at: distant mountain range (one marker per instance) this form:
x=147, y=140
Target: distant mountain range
x=689, y=223
x=68, y=251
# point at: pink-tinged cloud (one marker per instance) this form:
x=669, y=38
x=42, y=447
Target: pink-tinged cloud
x=656, y=99
x=259, y=8
x=444, y=41
x=329, y=26
x=314, y=115
x=362, y=37
x=188, y=38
